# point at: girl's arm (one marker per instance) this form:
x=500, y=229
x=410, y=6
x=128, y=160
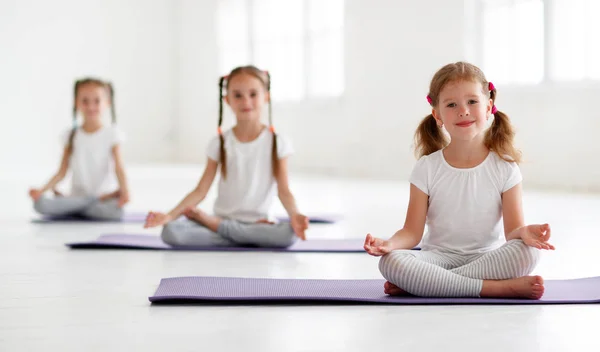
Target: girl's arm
x=59, y=176
x=191, y=200
x=412, y=232
x=298, y=221
x=512, y=212
x=120, y=171
x=514, y=224
x=283, y=189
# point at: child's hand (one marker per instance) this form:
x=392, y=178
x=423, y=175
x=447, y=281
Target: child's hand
x=123, y=198
x=299, y=224
x=156, y=219
x=536, y=236
x=376, y=246
x=35, y=194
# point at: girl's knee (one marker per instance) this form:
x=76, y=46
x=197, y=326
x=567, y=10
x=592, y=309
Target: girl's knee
x=169, y=234
x=286, y=237
x=42, y=206
x=528, y=256
x=392, y=261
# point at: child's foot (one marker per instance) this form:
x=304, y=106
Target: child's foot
x=531, y=287
x=199, y=216
x=393, y=290
x=108, y=196
x=195, y=214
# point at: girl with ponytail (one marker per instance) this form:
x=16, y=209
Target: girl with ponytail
x=466, y=187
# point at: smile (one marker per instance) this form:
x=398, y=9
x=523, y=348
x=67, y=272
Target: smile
x=465, y=123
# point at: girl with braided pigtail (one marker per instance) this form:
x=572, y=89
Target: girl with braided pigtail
x=252, y=160
x=92, y=152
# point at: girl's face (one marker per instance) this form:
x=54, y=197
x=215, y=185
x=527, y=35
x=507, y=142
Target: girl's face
x=92, y=100
x=463, y=108
x=246, y=96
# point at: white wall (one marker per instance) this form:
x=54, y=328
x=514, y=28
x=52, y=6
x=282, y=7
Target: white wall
x=558, y=131
x=368, y=132
x=392, y=50
x=162, y=57
x=46, y=45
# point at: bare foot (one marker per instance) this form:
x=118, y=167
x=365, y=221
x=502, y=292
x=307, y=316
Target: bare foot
x=393, y=290
x=531, y=287
x=199, y=216
x=194, y=214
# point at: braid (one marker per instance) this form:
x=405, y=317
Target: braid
x=222, y=156
x=111, y=92
x=274, y=157
x=72, y=135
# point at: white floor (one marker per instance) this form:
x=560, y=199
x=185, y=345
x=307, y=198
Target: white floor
x=56, y=299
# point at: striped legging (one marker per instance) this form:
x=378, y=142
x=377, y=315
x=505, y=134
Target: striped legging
x=440, y=274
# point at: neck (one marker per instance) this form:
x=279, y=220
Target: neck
x=248, y=130
x=91, y=126
x=466, y=151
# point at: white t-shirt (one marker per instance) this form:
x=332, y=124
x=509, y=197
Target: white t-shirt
x=92, y=164
x=247, y=192
x=465, y=205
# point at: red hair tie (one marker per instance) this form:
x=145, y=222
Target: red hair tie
x=429, y=99
x=492, y=88
x=272, y=128
x=219, y=130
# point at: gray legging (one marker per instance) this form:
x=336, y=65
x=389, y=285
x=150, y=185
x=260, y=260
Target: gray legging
x=440, y=274
x=87, y=207
x=231, y=233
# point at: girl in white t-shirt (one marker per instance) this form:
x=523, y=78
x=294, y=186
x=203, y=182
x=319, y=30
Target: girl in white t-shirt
x=253, y=161
x=465, y=191
x=92, y=153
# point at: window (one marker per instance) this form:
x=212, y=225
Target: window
x=575, y=46
x=513, y=40
x=300, y=42
x=530, y=41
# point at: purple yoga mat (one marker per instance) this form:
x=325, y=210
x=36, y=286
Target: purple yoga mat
x=248, y=290
x=125, y=241
x=128, y=218
x=133, y=217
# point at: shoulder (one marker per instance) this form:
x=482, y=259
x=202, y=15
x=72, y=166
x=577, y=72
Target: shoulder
x=114, y=134
x=503, y=163
x=283, y=138
x=508, y=172
x=430, y=160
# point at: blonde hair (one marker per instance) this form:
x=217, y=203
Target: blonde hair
x=265, y=78
x=430, y=138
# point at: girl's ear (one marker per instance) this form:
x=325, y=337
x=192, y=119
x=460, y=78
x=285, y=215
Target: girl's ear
x=436, y=116
x=226, y=98
x=267, y=97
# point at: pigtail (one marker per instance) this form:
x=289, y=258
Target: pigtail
x=500, y=136
x=222, y=156
x=111, y=92
x=74, y=129
x=274, y=156
x=429, y=138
